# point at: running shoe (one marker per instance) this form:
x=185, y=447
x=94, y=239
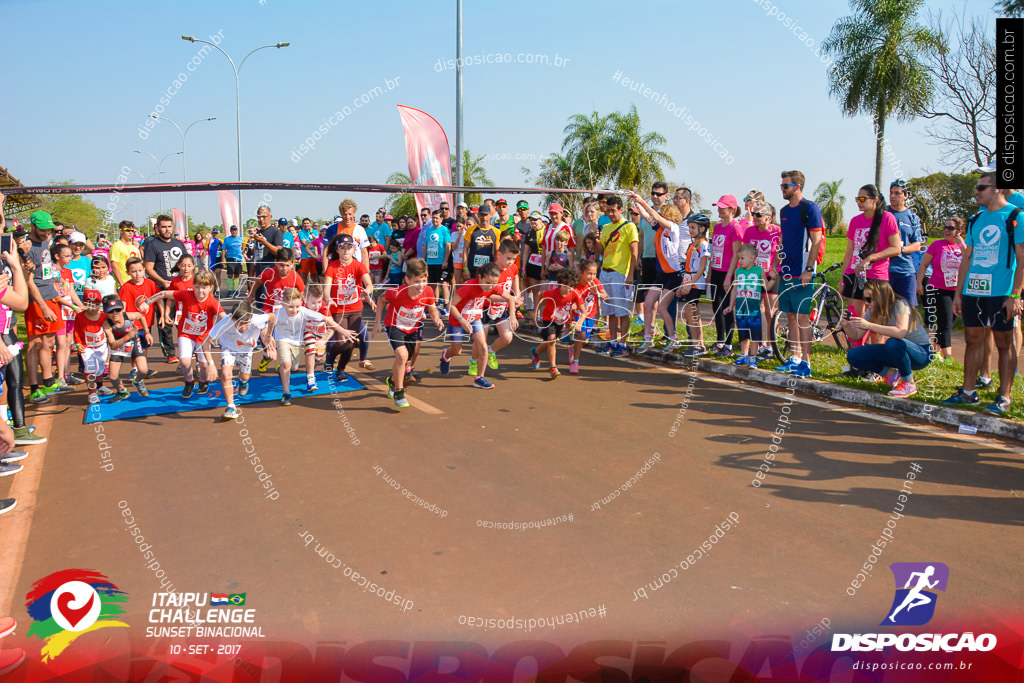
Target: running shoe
x=8, y=470
x=264, y=364
x=411, y=377
x=672, y=345
x=7, y=504
x=724, y=351
x=13, y=456
x=694, y=352
x=764, y=351
x=391, y=387
x=230, y=413
x=243, y=388
x=789, y=366
x=961, y=397
x=119, y=396
x=39, y=396
x=23, y=436
x=105, y=391
x=172, y=359
x=574, y=367
x=186, y=392
x=366, y=364
x=604, y=350
x=903, y=390
x=74, y=380
x=132, y=375
x=202, y=388
x=140, y=387
x=983, y=383
x=618, y=351
x=999, y=407
x=802, y=370
x=492, y=360
x=286, y=400
x=752, y=363
x=534, y=358
x=472, y=368
x=7, y=624
x=646, y=345
x=11, y=659
x=555, y=374
x=56, y=388
x=311, y=383
x=446, y=365
x=400, y=400
x=482, y=383
x=743, y=360
x=893, y=379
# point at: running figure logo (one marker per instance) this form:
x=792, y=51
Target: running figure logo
x=919, y=581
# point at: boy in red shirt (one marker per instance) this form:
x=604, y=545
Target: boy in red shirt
x=378, y=256
x=405, y=309
x=465, y=319
x=137, y=288
x=92, y=342
x=200, y=310
x=62, y=255
x=276, y=280
x=348, y=284
x=499, y=313
x=591, y=291
x=555, y=309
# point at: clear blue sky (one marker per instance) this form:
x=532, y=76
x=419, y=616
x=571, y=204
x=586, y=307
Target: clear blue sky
x=96, y=70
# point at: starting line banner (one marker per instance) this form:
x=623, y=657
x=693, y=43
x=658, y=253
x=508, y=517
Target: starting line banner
x=306, y=187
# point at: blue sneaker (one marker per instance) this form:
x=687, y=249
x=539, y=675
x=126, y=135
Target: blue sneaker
x=961, y=397
x=1001, y=405
x=752, y=363
x=802, y=370
x=446, y=365
x=534, y=358
x=743, y=360
x=618, y=351
x=789, y=366
x=482, y=383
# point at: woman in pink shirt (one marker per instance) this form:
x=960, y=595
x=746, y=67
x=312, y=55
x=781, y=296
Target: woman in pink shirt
x=727, y=235
x=872, y=239
x=944, y=257
x=749, y=202
x=765, y=236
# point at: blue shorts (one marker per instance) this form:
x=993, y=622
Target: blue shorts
x=749, y=327
x=586, y=329
x=457, y=335
x=795, y=297
x=619, y=297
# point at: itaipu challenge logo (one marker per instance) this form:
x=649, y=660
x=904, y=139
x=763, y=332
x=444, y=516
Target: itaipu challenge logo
x=69, y=603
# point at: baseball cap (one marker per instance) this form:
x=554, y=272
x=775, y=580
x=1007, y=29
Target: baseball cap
x=522, y=204
x=112, y=303
x=728, y=201
x=699, y=219
x=484, y=210
x=501, y=202
x=295, y=222
x=91, y=296
x=464, y=205
x=388, y=217
x=215, y=231
x=42, y=220
x=77, y=238
x=555, y=207
x=345, y=238
x=19, y=233
x=282, y=221
x=535, y=215
x=545, y=219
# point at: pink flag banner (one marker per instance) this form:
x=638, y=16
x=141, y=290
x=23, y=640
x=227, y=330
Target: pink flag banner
x=430, y=163
x=228, y=209
x=180, y=228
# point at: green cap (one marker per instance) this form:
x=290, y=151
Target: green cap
x=42, y=220
x=522, y=204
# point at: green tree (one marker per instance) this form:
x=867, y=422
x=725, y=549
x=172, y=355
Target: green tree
x=473, y=175
x=557, y=171
x=830, y=202
x=939, y=196
x=1010, y=8
x=634, y=158
x=879, y=68
x=73, y=209
x=585, y=143
x=401, y=203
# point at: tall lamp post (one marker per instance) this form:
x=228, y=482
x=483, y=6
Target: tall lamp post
x=159, y=169
x=238, y=118
x=184, y=157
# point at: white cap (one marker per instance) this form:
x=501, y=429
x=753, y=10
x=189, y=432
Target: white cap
x=462, y=204
x=77, y=237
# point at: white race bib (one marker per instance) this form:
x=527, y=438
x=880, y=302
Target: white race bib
x=195, y=323
x=979, y=285
x=950, y=267
x=408, y=318
x=480, y=259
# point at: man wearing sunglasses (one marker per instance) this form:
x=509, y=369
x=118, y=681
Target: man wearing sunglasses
x=988, y=291
x=648, y=256
x=903, y=268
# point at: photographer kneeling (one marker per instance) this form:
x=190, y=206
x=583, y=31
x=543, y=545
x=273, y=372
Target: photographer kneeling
x=907, y=347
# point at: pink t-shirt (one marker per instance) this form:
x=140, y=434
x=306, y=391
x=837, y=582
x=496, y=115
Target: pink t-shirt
x=746, y=223
x=858, y=234
x=767, y=244
x=946, y=257
x=722, y=243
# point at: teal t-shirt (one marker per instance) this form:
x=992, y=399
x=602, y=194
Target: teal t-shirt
x=748, y=290
x=434, y=245
x=989, y=242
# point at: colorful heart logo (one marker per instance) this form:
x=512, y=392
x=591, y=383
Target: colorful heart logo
x=73, y=615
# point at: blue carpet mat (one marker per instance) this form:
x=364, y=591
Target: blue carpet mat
x=169, y=400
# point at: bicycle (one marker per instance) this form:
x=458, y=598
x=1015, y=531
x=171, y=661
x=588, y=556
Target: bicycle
x=826, y=313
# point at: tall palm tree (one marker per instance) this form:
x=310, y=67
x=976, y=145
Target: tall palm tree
x=830, y=202
x=558, y=170
x=403, y=203
x=586, y=140
x=634, y=158
x=473, y=175
x=879, y=68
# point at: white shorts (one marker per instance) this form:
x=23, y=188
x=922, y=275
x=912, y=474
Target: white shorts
x=94, y=358
x=187, y=347
x=241, y=359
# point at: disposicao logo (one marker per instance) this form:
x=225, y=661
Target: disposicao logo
x=68, y=603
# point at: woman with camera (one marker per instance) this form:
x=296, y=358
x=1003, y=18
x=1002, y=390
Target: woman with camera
x=903, y=341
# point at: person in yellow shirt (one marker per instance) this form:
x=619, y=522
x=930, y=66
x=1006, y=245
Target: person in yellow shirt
x=122, y=250
x=619, y=245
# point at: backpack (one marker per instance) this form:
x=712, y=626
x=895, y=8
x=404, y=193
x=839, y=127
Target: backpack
x=803, y=219
x=1011, y=223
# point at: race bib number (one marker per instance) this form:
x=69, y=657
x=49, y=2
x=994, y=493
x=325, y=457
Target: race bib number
x=95, y=339
x=480, y=259
x=475, y=309
x=195, y=324
x=349, y=293
x=69, y=313
x=979, y=285
x=408, y=318
x=49, y=272
x=718, y=253
x=432, y=250
x=951, y=267
x=535, y=260
x=561, y=314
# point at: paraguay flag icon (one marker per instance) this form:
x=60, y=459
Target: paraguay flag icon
x=916, y=583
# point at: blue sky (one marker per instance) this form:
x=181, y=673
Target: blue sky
x=99, y=69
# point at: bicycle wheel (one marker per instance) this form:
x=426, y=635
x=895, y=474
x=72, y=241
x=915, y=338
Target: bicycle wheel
x=778, y=332
x=833, y=315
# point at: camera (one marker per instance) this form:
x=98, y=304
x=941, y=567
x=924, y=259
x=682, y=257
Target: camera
x=847, y=314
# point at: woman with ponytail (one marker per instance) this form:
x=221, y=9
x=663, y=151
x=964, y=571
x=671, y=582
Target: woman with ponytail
x=873, y=237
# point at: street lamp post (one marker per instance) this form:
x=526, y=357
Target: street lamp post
x=184, y=157
x=159, y=169
x=238, y=118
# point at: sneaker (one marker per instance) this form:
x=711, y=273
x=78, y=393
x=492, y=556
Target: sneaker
x=264, y=364
x=694, y=352
x=672, y=345
x=7, y=624
x=618, y=351
x=752, y=363
x=230, y=413
x=57, y=387
x=140, y=387
x=23, y=436
x=789, y=366
x=574, y=367
x=742, y=360
x=7, y=504
x=186, y=392
x=74, y=380
x=472, y=368
x=243, y=388
x=904, y=390
x=172, y=359
x=286, y=400
x=133, y=374
x=983, y=383
x=13, y=456
x=310, y=383
x=646, y=346
x=202, y=388
x=391, y=387
x=802, y=370
x=724, y=351
x=999, y=407
x=764, y=351
x=8, y=470
x=961, y=397
x=400, y=400
x=893, y=379
x=492, y=360
x=412, y=377
x=366, y=364
x=11, y=659
x=604, y=350
x=446, y=365
x=119, y=396
x=534, y=358
x=555, y=374
x=39, y=396
x=482, y=383
x=105, y=391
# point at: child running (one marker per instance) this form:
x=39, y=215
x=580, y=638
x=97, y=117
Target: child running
x=315, y=333
x=120, y=330
x=405, y=308
x=136, y=289
x=465, y=320
x=747, y=286
x=237, y=336
x=554, y=310
x=591, y=291
x=92, y=342
x=348, y=284
x=499, y=312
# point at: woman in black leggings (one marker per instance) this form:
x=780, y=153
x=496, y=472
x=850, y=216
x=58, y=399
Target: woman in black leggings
x=944, y=257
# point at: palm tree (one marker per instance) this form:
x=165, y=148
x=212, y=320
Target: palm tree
x=402, y=203
x=473, y=175
x=558, y=170
x=585, y=142
x=634, y=158
x=1010, y=8
x=830, y=202
x=879, y=67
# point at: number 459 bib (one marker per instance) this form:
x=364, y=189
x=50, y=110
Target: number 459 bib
x=979, y=285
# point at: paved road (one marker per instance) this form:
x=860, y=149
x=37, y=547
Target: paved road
x=529, y=451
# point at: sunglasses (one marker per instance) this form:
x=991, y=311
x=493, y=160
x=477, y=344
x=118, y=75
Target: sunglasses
x=980, y=188
x=898, y=183
x=785, y=185
x=867, y=299
x=860, y=200
x=659, y=194
x=747, y=199
x=761, y=214
x=949, y=227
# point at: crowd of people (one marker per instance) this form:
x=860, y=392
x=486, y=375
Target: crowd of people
x=297, y=293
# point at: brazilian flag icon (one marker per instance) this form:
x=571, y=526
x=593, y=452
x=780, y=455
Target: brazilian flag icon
x=236, y=599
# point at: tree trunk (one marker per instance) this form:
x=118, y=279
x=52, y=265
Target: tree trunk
x=879, y=144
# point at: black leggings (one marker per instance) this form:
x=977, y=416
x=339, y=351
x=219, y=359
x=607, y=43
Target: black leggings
x=364, y=341
x=14, y=378
x=938, y=308
x=724, y=322
x=343, y=349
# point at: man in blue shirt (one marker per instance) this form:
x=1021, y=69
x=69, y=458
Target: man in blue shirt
x=216, y=257
x=988, y=291
x=902, y=270
x=233, y=258
x=379, y=228
x=798, y=252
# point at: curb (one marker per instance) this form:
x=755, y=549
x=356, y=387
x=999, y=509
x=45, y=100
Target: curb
x=965, y=421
